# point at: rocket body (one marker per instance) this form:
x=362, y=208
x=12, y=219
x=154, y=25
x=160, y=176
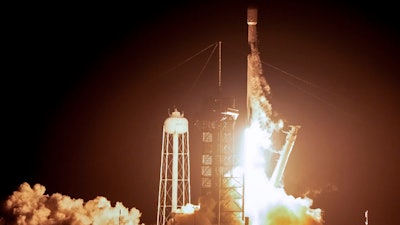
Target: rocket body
x=252, y=22
x=252, y=40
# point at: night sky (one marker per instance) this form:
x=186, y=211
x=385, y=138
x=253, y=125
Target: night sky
x=86, y=89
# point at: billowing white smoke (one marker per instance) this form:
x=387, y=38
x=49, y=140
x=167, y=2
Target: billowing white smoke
x=267, y=204
x=31, y=206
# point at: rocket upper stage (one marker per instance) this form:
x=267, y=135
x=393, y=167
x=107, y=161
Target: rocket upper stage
x=252, y=16
x=252, y=22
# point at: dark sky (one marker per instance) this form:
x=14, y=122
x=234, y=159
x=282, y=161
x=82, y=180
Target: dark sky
x=86, y=89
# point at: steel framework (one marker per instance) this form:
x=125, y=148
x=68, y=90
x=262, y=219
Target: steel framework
x=220, y=178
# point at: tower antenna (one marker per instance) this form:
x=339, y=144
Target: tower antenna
x=219, y=68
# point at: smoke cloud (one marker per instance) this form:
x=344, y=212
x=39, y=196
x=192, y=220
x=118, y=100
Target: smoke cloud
x=31, y=206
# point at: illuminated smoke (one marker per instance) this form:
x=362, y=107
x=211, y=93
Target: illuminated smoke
x=261, y=109
x=31, y=206
x=266, y=204
x=196, y=217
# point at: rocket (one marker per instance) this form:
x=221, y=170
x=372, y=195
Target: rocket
x=252, y=31
x=252, y=40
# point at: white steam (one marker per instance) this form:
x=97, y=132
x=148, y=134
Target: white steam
x=267, y=204
x=31, y=206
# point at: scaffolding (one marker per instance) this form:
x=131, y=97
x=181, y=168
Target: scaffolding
x=220, y=179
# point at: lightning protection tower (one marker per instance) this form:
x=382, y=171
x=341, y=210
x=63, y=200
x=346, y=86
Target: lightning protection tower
x=174, y=187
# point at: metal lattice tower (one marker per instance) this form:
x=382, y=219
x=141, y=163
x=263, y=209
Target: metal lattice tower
x=174, y=187
x=219, y=180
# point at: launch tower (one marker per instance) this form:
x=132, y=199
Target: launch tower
x=174, y=187
x=220, y=182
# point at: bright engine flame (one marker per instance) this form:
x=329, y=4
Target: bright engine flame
x=266, y=204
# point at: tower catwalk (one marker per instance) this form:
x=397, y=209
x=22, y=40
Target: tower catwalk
x=174, y=187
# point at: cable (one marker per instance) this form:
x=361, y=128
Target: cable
x=205, y=65
x=313, y=85
x=300, y=79
x=182, y=63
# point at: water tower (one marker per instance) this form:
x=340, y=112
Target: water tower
x=174, y=187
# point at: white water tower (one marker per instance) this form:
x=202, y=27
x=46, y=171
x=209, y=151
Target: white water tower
x=174, y=187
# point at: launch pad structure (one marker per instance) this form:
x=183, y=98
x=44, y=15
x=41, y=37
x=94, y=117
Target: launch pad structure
x=219, y=180
x=222, y=180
